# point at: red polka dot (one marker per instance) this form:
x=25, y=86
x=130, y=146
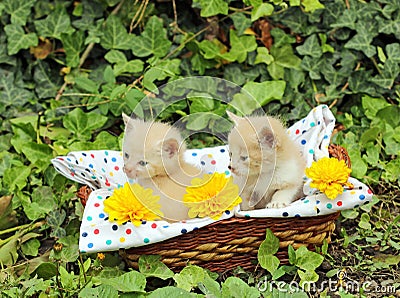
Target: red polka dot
x=92, y=155
x=72, y=174
x=59, y=158
x=96, y=231
x=154, y=225
x=297, y=131
x=369, y=191
x=339, y=203
x=183, y=221
x=213, y=162
x=107, y=183
x=97, y=205
x=116, y=168
x=128, y=231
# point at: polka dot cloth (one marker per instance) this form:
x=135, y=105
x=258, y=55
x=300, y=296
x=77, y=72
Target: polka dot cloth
x=102, y=171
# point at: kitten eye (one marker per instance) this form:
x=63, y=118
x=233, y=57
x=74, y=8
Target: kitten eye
x=126, y=155
x=244, y=158
x=142, y=163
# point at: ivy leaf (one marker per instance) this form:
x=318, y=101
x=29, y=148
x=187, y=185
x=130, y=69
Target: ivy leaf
x=83, y=124
x=38, y=154
x=241, y=22
x=189, y=277
x=16, y=177
x=235, y=287
x=86, y=84
x=310, y=47
x=151, y=265
x=308, y=260
x=362, y=42
x=213, y=7
x=19, y=10
x=47, y=84
x=42, y=203
x=18, y=40
x=240, y=46
x=115, y=35
x=73, y=45
x=170, y=291
x=153, y=40
x=11, y=94
x=132, y=281
x=265, y=9
x=347, y=19
x=263, y=56
x=312, y=5
x=393, y=52
x=266, y=91
x=55, y=24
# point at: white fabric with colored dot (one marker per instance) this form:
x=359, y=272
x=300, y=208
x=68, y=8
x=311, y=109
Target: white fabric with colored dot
x=102, y=171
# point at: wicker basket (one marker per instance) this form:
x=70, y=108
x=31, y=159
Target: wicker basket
x=233, y=242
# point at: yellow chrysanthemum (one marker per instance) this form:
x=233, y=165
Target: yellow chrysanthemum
x=329, y=175
x=211, y=196
x=127, y=203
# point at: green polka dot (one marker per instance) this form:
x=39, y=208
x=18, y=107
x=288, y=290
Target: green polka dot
x=329, y=206
x=146, y=240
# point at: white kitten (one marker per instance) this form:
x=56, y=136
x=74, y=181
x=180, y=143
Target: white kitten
x=265, y=163
x=153, y=155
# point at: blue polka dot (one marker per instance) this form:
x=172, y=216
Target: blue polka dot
x=317, y=201
x=285, y=214
x=325, y=137
x=90, y=245
x=203, y=163
x=105, y=160
x=312, y=124
x=209, y=172
x=102, y=215
x=146, y=240
x=90, y=166
x=69, y=159
x=108, y=242
x=144, y=222
x=303, y=142
x=319, y=122
x=356, y=206
x=114, y=227
x=362, y=197
x=165, y=227
x=113, y=159
x=183, y=231
x=227, y=212
x=89, y=218
x=195, y=228
x=84, y=234
x=84, y=154
x=222, y=150
x=297, y=215
x=194, y=154
x=311, y=151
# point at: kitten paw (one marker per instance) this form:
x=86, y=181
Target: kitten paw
x=276, y=205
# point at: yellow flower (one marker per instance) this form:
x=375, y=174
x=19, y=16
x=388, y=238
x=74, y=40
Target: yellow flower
x=132, y=202
x=211, y=196
x=329, y=175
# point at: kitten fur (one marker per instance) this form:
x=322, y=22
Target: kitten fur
x=266, y=164
x=153, y=156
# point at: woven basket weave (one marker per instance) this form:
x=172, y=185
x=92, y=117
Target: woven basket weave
x=233, y=242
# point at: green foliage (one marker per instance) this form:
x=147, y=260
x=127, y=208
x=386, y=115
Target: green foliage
x=69, y=69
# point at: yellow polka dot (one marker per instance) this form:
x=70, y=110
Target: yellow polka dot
x=210, y=155
x=352, y=192
x=122, y=239
x=81, y=159
x=94, y=171
x=120, y=154
x=111, y=174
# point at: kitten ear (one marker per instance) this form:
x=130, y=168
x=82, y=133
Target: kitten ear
x=268, y=138
x=170, y=147
x=233, y=117
x=126, y=118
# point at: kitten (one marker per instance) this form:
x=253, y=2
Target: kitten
x=153, y=155
x=266, y=164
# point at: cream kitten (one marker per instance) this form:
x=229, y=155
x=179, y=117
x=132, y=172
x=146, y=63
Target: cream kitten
x=153, y=155
x=265, y=163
